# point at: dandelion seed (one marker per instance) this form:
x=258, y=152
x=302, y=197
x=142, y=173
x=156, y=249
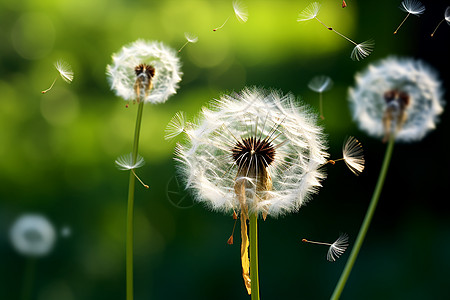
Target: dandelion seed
x=336, y=249
x=359, y=52
x=397, y=97
x=176, y=126
x=240, y=11
x=412, y=7
x=446, y=18
x=126, y=162
x=131, y=75
x=64, y=70
x=320, y=84
x=190, y=38
x=32, y=235
x=353, y=156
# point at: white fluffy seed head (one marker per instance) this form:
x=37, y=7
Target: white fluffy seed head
x=338, y=247
x=126, y=162
x=64, y=70
x=310, y=12
x=32, y=235
x=240, y=11
x=352, y=152
x=320, y=83
x=209, y=165
x=413, y=77
x=362, y=50
x=413, y=7
x=122, y=77
x=190, y=37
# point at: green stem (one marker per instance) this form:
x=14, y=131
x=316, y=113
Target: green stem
x=366, y=223
x=254, y=256
x=28, y=278
x=130, y=213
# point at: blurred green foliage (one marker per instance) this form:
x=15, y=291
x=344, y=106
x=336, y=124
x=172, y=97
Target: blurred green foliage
x=57, y=152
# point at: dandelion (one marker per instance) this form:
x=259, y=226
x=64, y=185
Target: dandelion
x=412, y=7
x=240, y=11
x=360, y=51
x=32, y=235
x=353, y=156
x=446, y=18
x=134, y=63
x=190, y=38
x=257, y=153
x=398, y=97
x=336, y=249
x=126, y=162
x=401, y=100
x=320, y=84
x=64, y=70
x=176, y=126
x=145, y=72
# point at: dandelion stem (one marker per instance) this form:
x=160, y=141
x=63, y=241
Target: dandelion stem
x=45, y=91
x=130, y=213
x=437, y=27
x=254, y=256
x=28, y=278
x=366, y=223
x=183, y=46
x=395, y=32
x=321, y=106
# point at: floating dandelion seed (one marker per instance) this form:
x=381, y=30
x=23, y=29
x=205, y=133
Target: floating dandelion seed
x=190, y=38
x=336, y=249
x=397, y=97
x=353, y=156
x=176, y=126
x=126, y=162
x=240, y=11
x=446, y=18
x=64, y=70
x=412, y=7
x=360, y=51
x=320, y=84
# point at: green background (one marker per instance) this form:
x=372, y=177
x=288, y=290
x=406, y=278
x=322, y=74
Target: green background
x=57, y=152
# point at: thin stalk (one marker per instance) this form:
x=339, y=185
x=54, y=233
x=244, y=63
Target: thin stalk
x=28, y=278
x=395, y=32
x=366, y=223
x=130, y=212
x=254, y=256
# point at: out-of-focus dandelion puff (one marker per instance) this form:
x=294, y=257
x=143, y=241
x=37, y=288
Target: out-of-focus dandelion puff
x=176, y=126
x=353, y=154
x=362, y=50
x=309, y=13
x=32, y=235
x=257, y=145
x=240, y=11
x=446, y=18
x=64, y=70
x=397, y=97
x=336, y=249
x=190, y=38
x=123, y=72
x=412, y=7
x=66, y=231
x=125, y=162
x=320, y=83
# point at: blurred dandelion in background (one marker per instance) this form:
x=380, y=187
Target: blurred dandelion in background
x=412, y=7
x=360, y=51
x=446, y=18
x=353, y=156
x=399, y=97
x=256, y=152
x=320, y=84
x=64, y=70
x=190, y=38
x=335, y=249
x=240, y=11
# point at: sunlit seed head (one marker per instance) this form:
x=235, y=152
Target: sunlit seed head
x=64, y=70
x=352, y=152
x=126, y=162
x=338, y=247
x=32, y=235
x=176, y=126
x=362, y=50
x=320, y=83
x=190, y=37
x=401, y=97
x=310, y=12
x=240, y=11
x=413, y=7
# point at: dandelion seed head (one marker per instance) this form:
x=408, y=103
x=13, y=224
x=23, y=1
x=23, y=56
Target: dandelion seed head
x=320, y=83
x=125, y=162
x=413, y=7
x=190, y=37
x=393, y=86
x=176, y=126
x=362, y=50
x=240, y=11
x=32, y=235
x=310, y=12
x=64, y=70
x=259, y=137
x=447, y=15
x=122, y=77
x=352, y=152
x=338, y=247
